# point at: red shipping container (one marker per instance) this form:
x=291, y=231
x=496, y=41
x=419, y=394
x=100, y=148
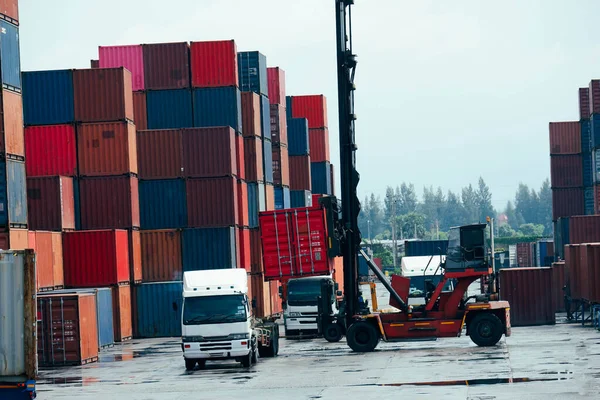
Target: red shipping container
x=276, y=303
x=584, y=103
x=209, y=152
x=572, y=261
x=10, y=9
x=122, y=318
x=567, y=202
x=212, y=202
x=161, y=256
x=594, y=94
x=256, y=258
x=566, y=171
x=94, y=64
x=135, y=256
x=253, y=159
x=242, y=196
x=130, y=57
x=14, y=239
x=102, y=95
x=50, y=150
x=51, y=203
x=597, y=199
x=588, y=261
x=251, y=124
x=140, y=112
x=276, y=79
x=245, y=249
x=96, y=258
x=319, y=145
x=565, y=137
x=12, y=138
x=278, y=124
x=214, y=64
x=270, y=197
x=300, y=177
x=560, y=278
x=281, y=166
x=519, y=286
x=240, y=156
x=313, y=108
x=525, y=255
x=584, y=229
x=294, y=244
x=107, y=149
x=110, y=202
x=160, y=154
x=166, y=66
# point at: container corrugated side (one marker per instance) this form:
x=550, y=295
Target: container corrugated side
x=319, y=145
x=300, y=173
x=560, y=278
x=163, y=204
x=279, y=134
x=158, y=309
x=583, y=229
x=320, y=177
x=276, y=78
x=572, y=256
x=313, y=108
x=160, y=154
x=252, y=72
x=245, y=249
x=586, y=135
x=130, y=57
x=43, y=260
x=140, y=112
x=415, y=248
x=584, y=103
x=254, y=203
x=209, y=248
x=594, y=96
x=212, y=202
x=251, y=114
x=298, y=137
x=13, y=194
x=588, y=169
x=166, y=65
x=12, y=138
x=218, y=106
x=50, y=150
x=566, y=171
x=10, y=9
x=169, y=109
x=281, y=166
x=268, y=160
x=209, y=152
x=589, y=201
x=51, y=203
x=214, y=64
x=265, y=117
x=44, y=88
x=161, y=256
x=595, y=130
x=10, y=55
x=122, y=313
x=565, y=137
x=14, y=239
x=253, y=159
x=242, y=195
x=240, y=156
x=256, y=257
x=300, y=198
x=282, y=198
x=135, y=255
x=567, y=202
x=109, y=202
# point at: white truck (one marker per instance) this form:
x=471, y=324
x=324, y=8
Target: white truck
x=217, y=321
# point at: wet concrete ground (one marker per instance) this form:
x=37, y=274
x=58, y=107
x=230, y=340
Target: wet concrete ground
x=548, y=362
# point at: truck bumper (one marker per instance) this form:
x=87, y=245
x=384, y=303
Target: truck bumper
x=301, y=324
x=216, y=350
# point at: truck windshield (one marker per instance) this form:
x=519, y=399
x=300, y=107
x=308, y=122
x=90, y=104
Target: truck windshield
x=303, y=292
x=214, y=310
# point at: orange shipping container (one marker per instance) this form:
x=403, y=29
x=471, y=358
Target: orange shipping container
x=276, y=303
x=270, y=197
x=240, y=156
x=338, y=273
x=135, y=256
x=44, y=260
x=12, y=139
x=161, y=256
x=122, y=313
x=245, y=249
x=262, y=296
x=106, y=149
x=281, y=166
x=14, y=239
x=140, y=112
x=242, y=196
x=57, y=260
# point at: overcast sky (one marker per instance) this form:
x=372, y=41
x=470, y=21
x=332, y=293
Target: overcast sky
x=447, y=90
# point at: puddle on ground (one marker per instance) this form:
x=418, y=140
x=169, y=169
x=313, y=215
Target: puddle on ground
x=470, y=382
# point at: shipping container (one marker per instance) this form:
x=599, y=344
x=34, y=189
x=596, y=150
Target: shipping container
x=565, y=137
x=161, y=256
x=158, y=309
x=245, y=249
x=279, y=133
x=332, y=172
x=269, y=197
x=276, y=88
x=169, y=109
x=209, y=248
x=122, y=313
x=252, y=72
x=96, y=258
x=135, y=255
x=10, y=10
x=586, y=274
x=519, y=285
x=102, y=95
x=544, y=256
x=240, y=156
x=14, y=239
x=595, y=161
x=140, y=112
x=44, y=269
x=221, y=106
x=44, y=88
x=281, y=166
x=282, y=198
x=581, y=229
x=256, y=258
x=276, y=302
x=416, y=248
x=256, y=202
x=586, y=135
x=12, y=134
x=94, y=64
x=594, y=96
x=253, y=159
x=589, y=201
x=160, y=154
x=51, y=203
x=584, y=103
x=596, y=199
x=106, y=149
x=567, y=202
x=525, y=255
x=313, y=108
x=566, y=171
x=212, y=202
x=300, y=173
x=13, y=194
x=10, y=57
x=166, y=66
x=261, y=295
x=214, y=64
x=298, y=137
x=560, y=279
x=268, y=160
x=67, y=329
x=209, y=152
x=595, y=130
x=50, y=150
x=265, y=117
x=572, y=259
x=300, y=198
x=319, y=145
x=130, y=57
x=242, y=195
x=587, y=169
x=163, y=204
x=110, y=202
x=320, y=174
x=288, y=108
x=251, y=114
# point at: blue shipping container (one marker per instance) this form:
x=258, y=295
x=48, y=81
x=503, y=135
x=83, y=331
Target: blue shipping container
x=48, y=88
x=595, y=130
x=298, y=144
x=77, y=204
x=252, y=72
x=268, y=160
x=415, y=248
x=10, y=56
x=221, y=106
x=282, y=198
x=13, y=194
x=588, y=200
x=158, y=309
x=209, y=248
x=588, y=169
x=586, y=138
x=256, y=202
x=320, y=175
x=300, y=198
x=363, y=267
x=265, y=117
x=163, y=204
x=169, y=109
x=288, y=107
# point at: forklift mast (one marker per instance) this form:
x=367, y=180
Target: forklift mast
x=350, y=238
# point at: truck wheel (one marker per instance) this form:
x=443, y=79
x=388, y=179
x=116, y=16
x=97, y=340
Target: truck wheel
x=190, y=364
x=362, y=337
x=276, y=341
x=333, y=333
x=201, y=364
x=291, y=334
x=247, y=360
x=486, y=329
x=255, y=356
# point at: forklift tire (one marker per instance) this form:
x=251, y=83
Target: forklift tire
x=362, y=337
x=189, y=364
x=333, y=333
x=486, y=329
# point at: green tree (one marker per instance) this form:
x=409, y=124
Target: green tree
x=469, y=200
x=531, y=229
x=408, y=198
x=484, y=201
x=454, y=212
x=411, y=225
x=506, y=231
x=514, y=218
x=525, y=204
x=545, y=207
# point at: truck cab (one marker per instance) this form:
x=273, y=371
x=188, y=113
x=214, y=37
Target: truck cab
x=216, y=319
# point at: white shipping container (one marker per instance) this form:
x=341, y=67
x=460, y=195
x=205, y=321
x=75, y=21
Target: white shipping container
x=512, y=255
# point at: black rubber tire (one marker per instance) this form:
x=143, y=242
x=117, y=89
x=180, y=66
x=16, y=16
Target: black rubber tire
x=190, y=364
x=333, y=333
x=255, y=356
x=292, y=334
x=362, y=337
x=201, y=364
x=276, y=341
x=247, y=360
x=486, y=329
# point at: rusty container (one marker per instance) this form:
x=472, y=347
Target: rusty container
x=242, y=195
x=161, y=256
x=281, y=166
x=300, y=173
x=14, y=239
x=122, y=313
x=107, y=149
x=166, y=66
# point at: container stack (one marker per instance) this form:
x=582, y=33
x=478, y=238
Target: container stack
x=299, y=152
x=586, y=151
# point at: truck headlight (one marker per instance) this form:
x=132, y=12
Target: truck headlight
x=295, y=314
x=238, y=336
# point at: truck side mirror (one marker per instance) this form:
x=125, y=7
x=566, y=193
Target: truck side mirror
x=280, y=291
x=339, y=293
x=253, y=303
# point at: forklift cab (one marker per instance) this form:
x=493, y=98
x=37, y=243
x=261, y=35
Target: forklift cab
x=467, y=248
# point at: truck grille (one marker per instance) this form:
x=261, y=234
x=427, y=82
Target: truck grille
x=222, y=346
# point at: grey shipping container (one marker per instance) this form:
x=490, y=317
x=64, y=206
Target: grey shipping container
x=10, y=56
x=256, y=202
x=13, y=194
x=300, y=198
